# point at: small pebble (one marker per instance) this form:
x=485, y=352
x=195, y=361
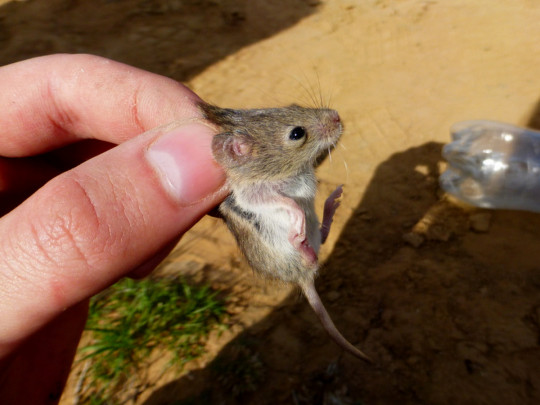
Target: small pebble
x=414, y=239
x=480, y=222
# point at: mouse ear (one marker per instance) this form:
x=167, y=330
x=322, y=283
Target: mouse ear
x=231, y=150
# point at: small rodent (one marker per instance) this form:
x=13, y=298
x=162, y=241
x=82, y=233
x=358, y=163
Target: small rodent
x=268, y=156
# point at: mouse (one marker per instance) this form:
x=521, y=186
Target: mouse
x=268, y=156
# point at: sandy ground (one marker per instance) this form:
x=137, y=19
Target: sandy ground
x=445, y=300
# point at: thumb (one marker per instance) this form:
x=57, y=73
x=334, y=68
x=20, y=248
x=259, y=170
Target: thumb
x=90, y=226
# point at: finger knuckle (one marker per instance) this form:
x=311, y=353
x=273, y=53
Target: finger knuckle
x=74, y=230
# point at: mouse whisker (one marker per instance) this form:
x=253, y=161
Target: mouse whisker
x=313, y=96
x=344, y=161
x=328, y=101
x=330, y=97
x=308, y=96
x=346, y=171
x=310, y=90
x=321, y=101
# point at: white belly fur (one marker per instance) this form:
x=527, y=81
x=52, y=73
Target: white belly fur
x=274, y=217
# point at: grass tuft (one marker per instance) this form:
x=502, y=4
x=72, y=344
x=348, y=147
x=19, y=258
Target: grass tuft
x=131, y=319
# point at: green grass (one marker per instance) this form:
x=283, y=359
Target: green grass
x=132, y=319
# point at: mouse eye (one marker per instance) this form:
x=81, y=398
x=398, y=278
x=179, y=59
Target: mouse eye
x=297, y=133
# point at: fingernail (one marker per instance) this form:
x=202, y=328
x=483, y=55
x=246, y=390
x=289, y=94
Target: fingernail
x=182, y=159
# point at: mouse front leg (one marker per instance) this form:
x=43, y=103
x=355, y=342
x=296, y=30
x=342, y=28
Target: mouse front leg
x=330, y=206
x=297, y=231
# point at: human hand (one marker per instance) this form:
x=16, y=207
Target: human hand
x=115, y=214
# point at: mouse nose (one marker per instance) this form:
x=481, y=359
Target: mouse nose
x=334, y=120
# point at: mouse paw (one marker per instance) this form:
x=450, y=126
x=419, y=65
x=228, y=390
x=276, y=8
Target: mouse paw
x=297, y=230
x=330, y=207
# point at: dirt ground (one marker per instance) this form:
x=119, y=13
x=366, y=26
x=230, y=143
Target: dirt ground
x=444, y=299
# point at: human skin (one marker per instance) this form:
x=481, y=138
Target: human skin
x=127, y=197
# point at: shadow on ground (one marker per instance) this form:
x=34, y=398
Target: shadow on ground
x=450, y=314
x=176, y=38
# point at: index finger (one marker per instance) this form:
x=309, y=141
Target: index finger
x=54, y=100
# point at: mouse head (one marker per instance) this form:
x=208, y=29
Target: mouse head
x=271, y=144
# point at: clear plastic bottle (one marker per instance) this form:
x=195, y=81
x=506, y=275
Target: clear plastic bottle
x=493, y=165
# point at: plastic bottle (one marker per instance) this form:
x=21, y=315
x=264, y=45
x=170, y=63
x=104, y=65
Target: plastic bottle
x=493, y=165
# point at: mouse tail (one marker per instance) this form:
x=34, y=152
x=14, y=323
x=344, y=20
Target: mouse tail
x=308, y=288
